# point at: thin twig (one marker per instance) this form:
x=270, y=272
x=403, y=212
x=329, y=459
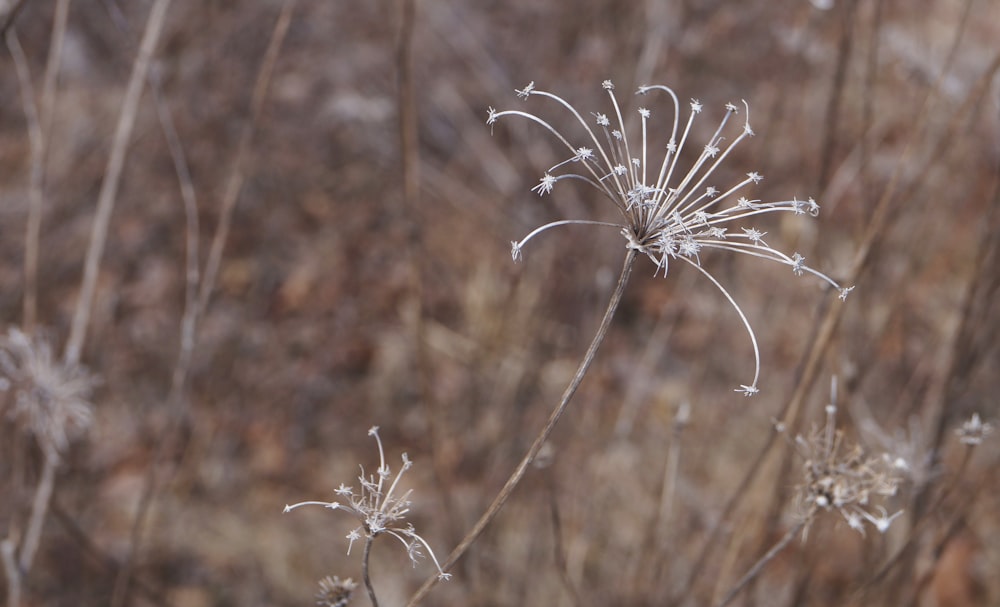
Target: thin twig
x=501, y=499
x=236, y=175
x=112, y=178
x=11, y=572
x=39, y=125
x=39, y=163
x=189, y=319
x=196, y=299
x=836, y=94
x=558, y=548
x=764, y=560
x=39, y=509
x=37, y=142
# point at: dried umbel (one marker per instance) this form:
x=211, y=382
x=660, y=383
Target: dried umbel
x=841, y=476
x=335, y=592
x=378, y=509
x=44, y=396
x=668, y=212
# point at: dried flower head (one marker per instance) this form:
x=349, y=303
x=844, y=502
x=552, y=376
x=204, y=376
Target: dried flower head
x=46, y=397
x=841, y=476
x=335, y=592
x=377, y=508
x=974, y=430
x=667, y=212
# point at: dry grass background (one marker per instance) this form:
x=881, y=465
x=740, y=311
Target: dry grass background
x=343, y=302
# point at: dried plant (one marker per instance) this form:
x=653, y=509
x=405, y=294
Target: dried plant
x=663, y=218
x=668, y=213
x=48, y=399
x=842, y=476
x=380, y=512
x=836, y=475
x=335, y=592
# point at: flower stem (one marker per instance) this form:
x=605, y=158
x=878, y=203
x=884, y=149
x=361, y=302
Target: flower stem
x=519, y=471
x=369, y=538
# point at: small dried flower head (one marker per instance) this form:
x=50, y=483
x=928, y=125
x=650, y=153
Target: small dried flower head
x=335, y=592
x=841, y=476
x=44, y=396
x=667, y=212
x=378, y=509
x=974, y=430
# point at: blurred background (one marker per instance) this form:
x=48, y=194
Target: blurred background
x=366, y=280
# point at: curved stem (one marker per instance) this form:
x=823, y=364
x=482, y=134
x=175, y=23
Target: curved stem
x=369, y=539
x=529, y=457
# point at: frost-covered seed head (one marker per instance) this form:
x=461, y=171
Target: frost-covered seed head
x=379, y=509
x=667, y=211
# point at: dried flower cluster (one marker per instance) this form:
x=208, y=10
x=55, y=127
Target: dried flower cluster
x=335, y=592
x=377, y=508
x=45, y=397
x=843, y=477
x=668, y=213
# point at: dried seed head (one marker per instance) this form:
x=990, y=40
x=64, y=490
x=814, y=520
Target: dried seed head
x=839, y=475
x=335, y=592
x=378, y=508
x=45, y=397
x=668, y=212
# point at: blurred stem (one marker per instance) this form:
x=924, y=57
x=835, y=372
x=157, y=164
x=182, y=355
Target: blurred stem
x=11, y=572
x=36, y=141
x=836, y=94
x=558, y=547
x=39, y=508
x=515, y=478
x=39, y=124
x=112, y=179
x=410, y=165
x=764, y=560
x=369, y=539
x=197, y=294
x=235, y=182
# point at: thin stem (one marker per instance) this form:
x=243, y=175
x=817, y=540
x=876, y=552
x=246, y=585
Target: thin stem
x=515, y=478
x=764, y=560
x=12, y=573
x=235, y=182
x=369, y=539
x=39, y=509
x=192, y=274
x=195, y=303
x=112, y=178
x=37, y=143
